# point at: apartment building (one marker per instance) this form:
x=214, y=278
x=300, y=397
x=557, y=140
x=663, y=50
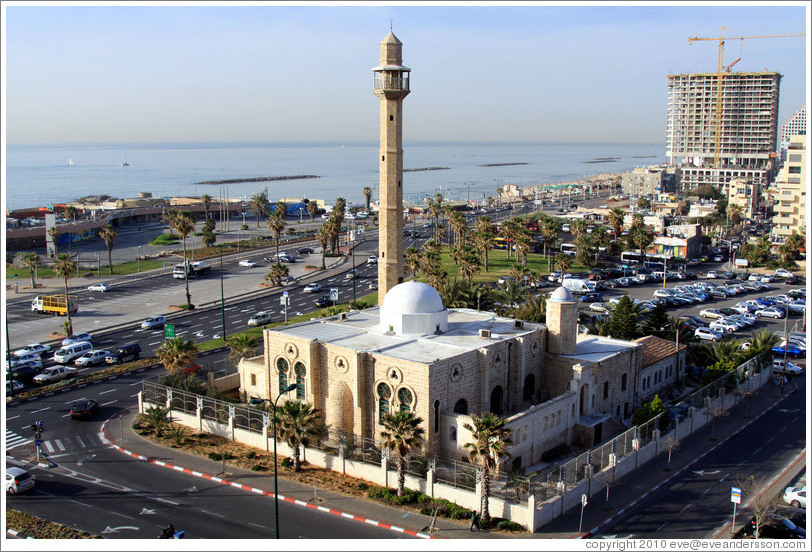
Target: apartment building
x=748, y=129
x=746, y=195
x=649, y=181
x=794, y=127
x=789, y=192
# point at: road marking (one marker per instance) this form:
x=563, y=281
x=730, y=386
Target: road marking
x=81, y=443
x=112, y=402
x=769, y=440
x=756, y=450
x=686, y=507
x=13, y=417
x=108, y=391
x=661, y=526
x=81, y=503
x=48, y=447
x=59, y=445
x=703, y=494
x=14, y=440
x=136, y=383
x=153, y=343
x=723, y=477
x=782, y=430
x=121, y=515
x=219, y=515
x=41, y=409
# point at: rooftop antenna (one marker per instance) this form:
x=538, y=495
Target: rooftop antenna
x=390, y=23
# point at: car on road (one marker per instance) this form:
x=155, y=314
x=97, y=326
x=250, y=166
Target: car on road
x=373, y=284
x=153, y=322
x=247, y=263
x=711, y=313
x=55, y=374
x=18, y=480
x=128, y=351
x=304, y=251
x=795, y=496
x=260, y=319
x=285, y=280
x=351, y=275
x=84, y=409
x=19, y=359
x=76, y=338
x=323, y=301
x=13, y=387
x=372, y=259
x=20, y=365
x=101, y=286
x=712, y=274
x=312, y=288
x=708, y=334
x=96, y=356
x=36, y=348
x=771, y=312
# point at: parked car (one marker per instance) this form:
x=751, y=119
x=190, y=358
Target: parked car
x=247, y=263
x=791, y=350
x=75, y=338
x=795, y=496
x=789, y=367
x=312, y=288
x=782, y=273
x=771, y=312
x=711, y=313
x=598, y=307
x=323, y=301
x=85, y=409
x=35, y=348
x=260, y=319
x=707, y=333
x=129, y=351
x=100, y=286
x=96, y=356
x=304, y=251
x=723, y=325
x=18, y=480
x=153, y=322
x=591, y=298
x=712, y=274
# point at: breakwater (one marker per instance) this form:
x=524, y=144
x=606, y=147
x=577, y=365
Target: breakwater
x=258, y=179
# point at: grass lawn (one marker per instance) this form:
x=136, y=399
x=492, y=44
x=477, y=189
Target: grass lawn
x=499, y=265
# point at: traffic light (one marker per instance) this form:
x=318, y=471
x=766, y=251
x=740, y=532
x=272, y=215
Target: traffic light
x=38, y=426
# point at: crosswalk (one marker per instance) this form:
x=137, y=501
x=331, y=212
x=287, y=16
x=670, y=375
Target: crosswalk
x=13, y=440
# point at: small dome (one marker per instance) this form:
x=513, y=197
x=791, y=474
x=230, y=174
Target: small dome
x=561, y=294
x=413, y=298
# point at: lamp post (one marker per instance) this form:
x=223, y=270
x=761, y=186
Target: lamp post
x=284, y=390
x=138, y=256
x=222, y=296
x=786, y=345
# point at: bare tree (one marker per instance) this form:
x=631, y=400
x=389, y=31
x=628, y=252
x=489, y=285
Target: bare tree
x=715, y=412
x=760, y=500
x=671, y=444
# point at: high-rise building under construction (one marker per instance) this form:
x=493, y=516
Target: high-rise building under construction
x=745, y=116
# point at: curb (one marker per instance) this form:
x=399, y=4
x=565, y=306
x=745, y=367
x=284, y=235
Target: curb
x=263, y=492
x=19, y=535
x=685, y=467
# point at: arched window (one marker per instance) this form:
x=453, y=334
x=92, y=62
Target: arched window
x=496, y=400
x=405, y=399
x=436, y=416
x=529, y=387
x=299, y=368
x=282, y=367
x=461, y=407
x=384, y=394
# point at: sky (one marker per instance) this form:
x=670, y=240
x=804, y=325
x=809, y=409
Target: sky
x=528, y=72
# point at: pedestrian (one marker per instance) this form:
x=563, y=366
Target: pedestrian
x=474, y=520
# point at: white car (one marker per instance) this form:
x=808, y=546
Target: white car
x=153, y=322
x=76, y=338
x=782, y=273
x=770, y=312
x=712, y=274
x=35, y=348
x=711, y=313
x=792, y=368
x=17, y=387
x=101, y=286
x=766, y=279
x=260, y=319
x=18, y=480
x=247, y=263
x=19, y=359
x=90, y=358
x=721, y=325
x=34, y=361
x=372, y=259
x=707, y=333
x=795, y=496
x=312, y=288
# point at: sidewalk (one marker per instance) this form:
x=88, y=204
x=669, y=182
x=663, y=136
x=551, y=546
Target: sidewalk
x=363, y=511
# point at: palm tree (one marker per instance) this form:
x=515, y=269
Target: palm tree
x=413, y=261
x=524, y=244
x=206, y=199
x=562, y=262
x=579, y=227
x=509, y=230
x=276, y=222
x=763, y=340
x=241, y=346
x=484, y=237
x=157, y=417
x=31, y=262
x=367, y=191
x=323, y=238
x=615, y=219
x=435, y=277
x=260, y=204
x=299, y=423
x=401, y=432
x=491, y=439
x=534, y=310
x=176, y=353
x=276, y=273
x=65, y=267
x=184, y=224
x=312, y=208
x=70, y=213
x=511, y=295
x=108, y=234
x=549, y=233
x=454, y=293
x=734, y=213
x=54, y=233
x=281, y=209
x=601, y=238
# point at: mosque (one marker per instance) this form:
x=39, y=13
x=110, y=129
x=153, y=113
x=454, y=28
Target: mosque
x=555, y=386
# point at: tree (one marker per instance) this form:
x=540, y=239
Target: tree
x=276, y=273
x=176, y=353
x=367, y=191
x=108, y=234
x=562, y=262
x=511, y=295
x=206, y=199
x=600, y=238
x=70, y=213
x=657, y=323
x=622, y=322
x=281, y=209
x=454, y=293
x=259, y=202
x=157, y=417
x=241, y=346
x=587, y=254
x=209, y=237
x=323, y=239
x=65, y=267
x=54, y=233
x=671, y=444
x=579, y=227
x=484, y=237
x=276, y=222
x=184, y=224
x=533, y=310
x=401, y=432
x=413, y=261
x=490, y=441
x=761, y=502
x=549, y=234
x=469, y=265
x=298, y=424
x=615, y=219
x=649, y=410
x=31, y=262
x=312, y=208
x=644, y=203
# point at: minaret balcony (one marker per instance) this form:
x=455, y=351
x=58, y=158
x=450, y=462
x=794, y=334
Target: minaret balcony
x=391, y=82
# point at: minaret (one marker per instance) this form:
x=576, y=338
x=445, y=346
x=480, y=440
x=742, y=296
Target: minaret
x=391, y=85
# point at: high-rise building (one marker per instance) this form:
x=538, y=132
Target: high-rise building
x=391, y=85
x=789, y=192
x=748, y=128
x=796, y=126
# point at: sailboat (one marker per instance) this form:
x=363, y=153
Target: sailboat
x=70, y=161
x=125, y=164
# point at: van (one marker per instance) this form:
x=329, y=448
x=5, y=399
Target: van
x=130, y=351
x=71, y=352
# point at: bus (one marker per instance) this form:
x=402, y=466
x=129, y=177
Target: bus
x=569, y=249
x=631, y=257
x=499, y=242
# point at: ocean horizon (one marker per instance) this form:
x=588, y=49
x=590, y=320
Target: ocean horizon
x=43, y=174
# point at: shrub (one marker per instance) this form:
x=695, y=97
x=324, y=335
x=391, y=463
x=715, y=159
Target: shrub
x=216, y=456
x=286, y=463
x=258, y=467
x=363, y=486
x=250, y=454
x=507, y=525
x=165, y=239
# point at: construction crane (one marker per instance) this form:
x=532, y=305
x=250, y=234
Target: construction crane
x=720, y=74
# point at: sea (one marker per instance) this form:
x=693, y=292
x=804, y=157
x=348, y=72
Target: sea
x=41, y=175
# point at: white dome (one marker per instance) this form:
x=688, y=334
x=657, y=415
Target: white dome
x=561, y=294
x=413, y=308
x=413, y=298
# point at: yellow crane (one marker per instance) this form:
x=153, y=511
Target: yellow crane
x=720, y=74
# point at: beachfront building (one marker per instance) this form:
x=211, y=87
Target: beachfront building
x=742, y=146
x=789, y=192
x=796, y=126
x=649, y=181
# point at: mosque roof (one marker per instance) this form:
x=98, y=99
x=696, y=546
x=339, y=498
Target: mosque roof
x=561, y=294
x=412, y=298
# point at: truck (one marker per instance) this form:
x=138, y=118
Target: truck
x=55, y=374
x=195, y=268
x=54, y=304
x=578, y=285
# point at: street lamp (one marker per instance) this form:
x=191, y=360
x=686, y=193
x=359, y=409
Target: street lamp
x=284, y=390
x=222, y=296
x=138, y=256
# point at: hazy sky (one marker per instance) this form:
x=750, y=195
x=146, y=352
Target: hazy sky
x=528, y=72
